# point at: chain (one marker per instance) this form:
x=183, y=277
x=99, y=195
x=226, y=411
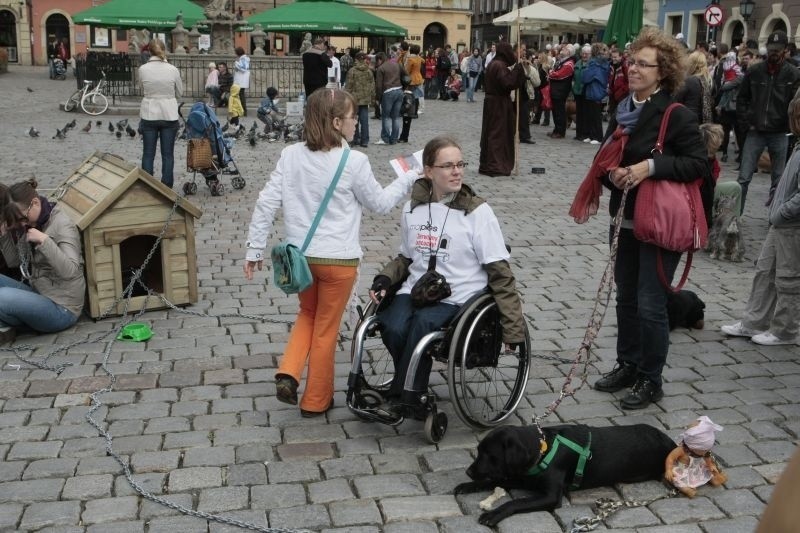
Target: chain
x=96, y=402
x=606, y=507
x=601, y=301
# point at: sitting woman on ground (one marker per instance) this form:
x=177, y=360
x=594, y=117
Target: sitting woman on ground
x=453, y=86
x=50, y=298
x=298, y=184
x=446, y=226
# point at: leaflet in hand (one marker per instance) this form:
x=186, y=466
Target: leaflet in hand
x=406, y=162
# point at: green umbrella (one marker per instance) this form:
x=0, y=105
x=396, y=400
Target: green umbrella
x=624, y=22
x=141, y=14
x=331, y=17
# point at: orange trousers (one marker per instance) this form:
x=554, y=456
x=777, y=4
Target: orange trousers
x=315, y=333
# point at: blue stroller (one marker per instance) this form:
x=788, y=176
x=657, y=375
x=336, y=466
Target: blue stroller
x=209, y=152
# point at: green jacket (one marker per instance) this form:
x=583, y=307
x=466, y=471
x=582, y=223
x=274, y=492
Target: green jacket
x=501, y=280
x=361, y=83
x=577, y=80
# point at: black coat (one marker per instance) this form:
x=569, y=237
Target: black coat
x=691, y=95
x=684, y=157
x=763, y=100
x=315, y=70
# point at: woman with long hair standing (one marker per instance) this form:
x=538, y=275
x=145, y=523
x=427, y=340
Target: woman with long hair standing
x=298, y=185
x=162, y=86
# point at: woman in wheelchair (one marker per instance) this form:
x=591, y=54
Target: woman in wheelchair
x=446, y=231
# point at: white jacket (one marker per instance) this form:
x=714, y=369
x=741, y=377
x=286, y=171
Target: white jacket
x=298, y=185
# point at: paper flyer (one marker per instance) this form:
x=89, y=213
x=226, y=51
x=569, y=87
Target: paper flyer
x=406, y=162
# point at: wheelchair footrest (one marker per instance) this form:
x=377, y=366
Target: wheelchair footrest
x=376, y=414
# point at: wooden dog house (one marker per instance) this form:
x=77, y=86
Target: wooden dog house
x=121, y=210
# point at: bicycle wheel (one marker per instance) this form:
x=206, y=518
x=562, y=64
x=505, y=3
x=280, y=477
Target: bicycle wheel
x=73, y=101
x=94, y=104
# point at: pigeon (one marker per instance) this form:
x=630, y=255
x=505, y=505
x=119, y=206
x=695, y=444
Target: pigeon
x=251, y=136
x=29, y=89
x=33, y=132
x=111, y=127
x=130, y=131
x=98, y=123
x=71, y=125
x=87, y=127
x=122, y=124
x=60, y=134
x=119, y=135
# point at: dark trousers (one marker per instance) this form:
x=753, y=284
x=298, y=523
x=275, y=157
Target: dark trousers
x=581, y=128
x=442, y=79
x=642, y=320
x=165, y=132
x=728, y=121
x=524, y=118
x=407, y=122
x=403, y=327
x=244, y=102
x=594, y=120
x=560, y=116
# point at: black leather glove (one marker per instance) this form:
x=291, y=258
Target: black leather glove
x=380, y=283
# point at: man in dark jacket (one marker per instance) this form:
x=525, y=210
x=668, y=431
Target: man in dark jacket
x=315, y=66
x=762, y=111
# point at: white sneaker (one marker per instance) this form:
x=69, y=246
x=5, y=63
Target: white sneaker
x=379, y=141
x=587, y=139
x=594, y=141
x=738, y=330
x=768, y=339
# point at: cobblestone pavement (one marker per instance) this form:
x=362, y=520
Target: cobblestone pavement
x=194, y=408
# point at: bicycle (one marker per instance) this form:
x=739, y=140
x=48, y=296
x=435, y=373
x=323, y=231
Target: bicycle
x=91, y=99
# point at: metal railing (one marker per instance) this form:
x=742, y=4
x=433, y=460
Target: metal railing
x=122, y=71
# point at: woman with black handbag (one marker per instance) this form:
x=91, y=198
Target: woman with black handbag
x=451, y=248
x=299, y=184
x=655, y=72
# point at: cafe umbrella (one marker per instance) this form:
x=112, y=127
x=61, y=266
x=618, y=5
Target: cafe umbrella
x=624, y=21
x=155, y=14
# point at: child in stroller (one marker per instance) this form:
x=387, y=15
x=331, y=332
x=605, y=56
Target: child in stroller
x=268, y=110
x=201, y=125
x=59, y=69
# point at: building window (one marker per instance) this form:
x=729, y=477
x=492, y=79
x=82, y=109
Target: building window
x=675, y=24
x=701, y=29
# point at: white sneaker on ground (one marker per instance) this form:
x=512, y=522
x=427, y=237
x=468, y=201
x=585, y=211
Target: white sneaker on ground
x=379, y=141
x=738, y=330
x=768, y=339
x=587, y=139
x=594, y=141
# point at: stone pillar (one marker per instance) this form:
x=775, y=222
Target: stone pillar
x=179, y=34
x=259, y=40
x=194, y=39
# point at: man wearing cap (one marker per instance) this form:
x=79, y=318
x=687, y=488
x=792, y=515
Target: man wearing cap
x=762, y=111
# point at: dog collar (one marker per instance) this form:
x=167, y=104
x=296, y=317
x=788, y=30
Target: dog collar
x=584, y=454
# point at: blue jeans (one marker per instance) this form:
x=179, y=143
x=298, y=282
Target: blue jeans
x=362, y=127
x=390, y=116
x=470, y=85
x=642, y=320
x=403, y=327
x=754, y=144
x=21, y=305
x=166, y=131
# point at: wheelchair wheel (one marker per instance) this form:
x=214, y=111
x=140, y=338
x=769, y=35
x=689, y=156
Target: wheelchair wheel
x=435, y=426
x=486, y=384
x=377, y=365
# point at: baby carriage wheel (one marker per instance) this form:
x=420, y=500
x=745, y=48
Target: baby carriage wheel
x=238, y=182
x=189, y=188
x=435, y=426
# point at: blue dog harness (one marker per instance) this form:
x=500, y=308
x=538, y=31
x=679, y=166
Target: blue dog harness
x=584, y=454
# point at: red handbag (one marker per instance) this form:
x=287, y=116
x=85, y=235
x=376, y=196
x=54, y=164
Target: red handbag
x=669, y=214
x=547, y=102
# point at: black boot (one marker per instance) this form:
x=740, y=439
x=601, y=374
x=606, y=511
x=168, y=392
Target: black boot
x=643, y=393
x=623, y=376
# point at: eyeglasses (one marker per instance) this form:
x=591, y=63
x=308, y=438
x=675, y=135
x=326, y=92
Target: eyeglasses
x=639, y=64
x=353, y=118
x=450, y=166
x=27, y=211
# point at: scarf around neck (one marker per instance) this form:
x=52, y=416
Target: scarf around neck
x=628, y=114
x=44, y=215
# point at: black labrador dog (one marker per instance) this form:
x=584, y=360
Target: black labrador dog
x=617, y=454
x=685, y=310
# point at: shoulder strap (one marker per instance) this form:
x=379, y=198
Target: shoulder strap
x=325, y=200
x=662, y=131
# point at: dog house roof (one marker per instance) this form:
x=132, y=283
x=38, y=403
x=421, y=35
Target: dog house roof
x=102, y=179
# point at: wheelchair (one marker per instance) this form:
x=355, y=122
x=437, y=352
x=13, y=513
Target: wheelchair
x=485, y=382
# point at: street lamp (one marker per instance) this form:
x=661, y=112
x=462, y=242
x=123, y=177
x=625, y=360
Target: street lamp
x=746, y=8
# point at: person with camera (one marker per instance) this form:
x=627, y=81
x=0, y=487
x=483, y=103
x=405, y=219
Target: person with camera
x=51, y=295
x=451, y=247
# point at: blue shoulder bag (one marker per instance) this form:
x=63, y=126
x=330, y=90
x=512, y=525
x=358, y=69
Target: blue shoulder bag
x=289, y=266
